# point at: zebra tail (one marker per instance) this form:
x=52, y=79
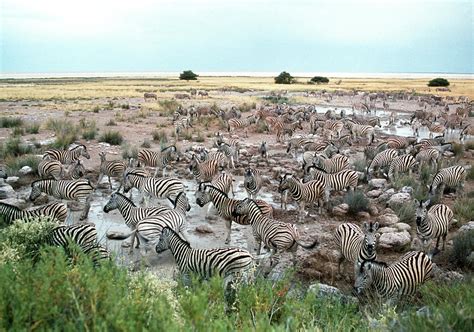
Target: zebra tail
x=308, y=246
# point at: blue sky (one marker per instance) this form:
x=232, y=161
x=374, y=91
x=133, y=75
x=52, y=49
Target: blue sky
x=216, y=35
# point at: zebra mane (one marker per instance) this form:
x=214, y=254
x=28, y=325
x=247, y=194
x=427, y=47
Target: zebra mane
x=380, y=263
x=319, y=169
x=126, y=198
x=254, y=202
x=133, y=172
x=40, y=180
x=173, y=232
x=168, y=147
x=78, y=146
x=176, y=199
x=213, y=187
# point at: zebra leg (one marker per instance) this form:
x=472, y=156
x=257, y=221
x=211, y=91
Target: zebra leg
x=133, y=241
x=99, y=179
x=301, y=212
x=87, y=207
x=259, y=246
x=228, y=225
x=444, y=240
x=110, y=183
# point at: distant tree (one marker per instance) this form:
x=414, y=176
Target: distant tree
x=438, y=82
x=284, y=78
x=188, y=75
x=319, y=79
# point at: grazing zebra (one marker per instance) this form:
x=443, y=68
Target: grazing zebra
x=252, y=182
x=361, y=130
x=403, y=163
x=400, y=142
x=283, y=129
x=263, y=150
x=48, y=168
x=158, y=159
x=311, y=191
x=396, y=280
x=225, y=205
x=429, y=155
x=203, y=171
x=131, y=213
x=219, y=138
x=231, y=152
x=335, y=164
x=148, y=186
x=111, y=168
x=334, y=126
x=453, y=176
x=54, y=210
x=432, y=223
x=76, y=190
x=149, y=229
x=371, y=121
x=149, y=95
x=382, y=159
x=233, y=124
x=356, y=245
x=183, y=123
x=67, y=156
x=335, y=181
x=298, y=143
x=276, y=235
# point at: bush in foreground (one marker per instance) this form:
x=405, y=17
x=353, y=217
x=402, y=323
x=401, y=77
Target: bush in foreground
x=357, y=201
x=438, y=82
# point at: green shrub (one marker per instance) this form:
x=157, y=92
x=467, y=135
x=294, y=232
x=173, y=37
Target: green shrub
x=18, y=131
x=129, y=152
x=112, y=137
x=284, y=78
x=89, y=133
x=360, y=165
x=406, y=213
x=125, y=106
x=110, y=105
x=33, y=128
x=146, y=144
x=13, y=147
x=438, y=82
x=463, y=246
x=111, y=123
x=319, y=79
x=276, y=99
x=464, y=209
x=6, y=122
x=168, y=107
x=357, y=202
x=96, y=109
x=247, y=107
x=14, y=164
x=458, y=150
x=469, y=146
x=159, y=136
x=188, y=75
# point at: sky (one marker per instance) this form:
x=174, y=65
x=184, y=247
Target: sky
x=364, y=36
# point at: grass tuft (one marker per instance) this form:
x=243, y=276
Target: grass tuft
x=112, y=137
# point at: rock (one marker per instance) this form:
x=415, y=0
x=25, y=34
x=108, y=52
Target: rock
x=390, y=191
x=331, y=255
x=6, y=191
x=42, y=199
x=388, y=211
x=323, y=290
x=341, y=209
x=377, y=183
x=363, y=215
x=12, y=179
x=396, y=241
x=387, y=230
x=407, y=190
x=401, y=226
x=117, y=235
x=448, y=154
x=25, y=170
x=374, y=193
x=466, y=227
x=388, y=219
x=449, y=276
x=18, y=202
x=373, y=210
x=399, y=199
x=243, y=152
x=204, y=229
x=386, y=195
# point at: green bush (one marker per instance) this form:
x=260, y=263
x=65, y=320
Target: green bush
x=13, y=147
x=458, y=150
x=65, y=130
x=14, y=164
x=96, y=109
x=6, y=122
x=188, y=75
x=463, y=246
x=470, y=173
x=464, y=209
x=33, y=128
x=357, y=201
x=168, y=107
x=469, y=146
x=319, y=79
x=112, y=137
x=111, y=123
x=89, y=133
x=159, y=136
x=125, y=106
x=276, y=99
x=438, y=82
x=360, y=165
x=247, y=107
x=18, y=131
x=284, y=78
x=129, y=152
x=406, y=213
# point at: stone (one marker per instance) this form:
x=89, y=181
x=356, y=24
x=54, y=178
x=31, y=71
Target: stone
x=374, y=193
x=373, y=210
x=466, y=227
x=18, y=202
x=6, y=191
x=12, y=179
x=395, y=241
x=406, y=189
x=243, y=152
x=204, y=229
x=388, y=219
x=383, y=230
x=377, y=183
x=341, y=209
x=25, y=170
x=401, y=226
x=399, y=199
x=363, y=215
x=117, y=234
x=327, y=291
x=448, y=154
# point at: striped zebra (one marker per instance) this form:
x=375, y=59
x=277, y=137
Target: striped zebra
x=219, y=138
x=400, y=142
x=430, y=142
x=148, y=186
x=231, y=152
x=252, y=182
x=224, y=205
x=302, y=193
x=334, y=126
x=275, y=235
x=233, y=124
x=430, y=156
x=149, y=229
x=382, y=159
x=182, y=124
x=435, y=128
x=283, y=129
x=432, y=223
x=222, y=182
x=396, y=280
x=403, y=163
x=361, y=130
x=335, y=181
x=219, y=156
x=203, y=171
x=75, y=190
x=111, y=168
x=298, y=143
x=453, y=177
x=48, y=169
x=263, y=150
x=370, y=121
x=131, y=213
x=160, y=160
x=53, y=210
x=335, y=164
x=356, y=245
x=67, y=156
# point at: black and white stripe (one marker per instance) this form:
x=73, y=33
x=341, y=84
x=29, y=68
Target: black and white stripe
x=231, y=152
x=53, y=210
x=430, y=156
x=67, y=156
x=401, y=164
x=381, y=159
x=203, y=171
x=111, y=168
x=400, y=142
x=252, y=182
x=335, y=181
x=233, y=124
x=358, y=130
x=159, y=160
x=452, y=177
x=181, y=124
x=335, y=164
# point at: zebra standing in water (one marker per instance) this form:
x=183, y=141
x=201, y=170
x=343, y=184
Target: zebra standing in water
x=431, y=156
x=48, y=168
x=224, y=205
x=131, y=213
x=53, y=210
x=276, y=235
x=382, y=159
x=203, y=171
x=159, y=160
x=111, y=168
x=67, y=156
x=252, y=182
x=361, y=130
x=76, y=190
x=453, y=176
x=229, y=151
x=393, y=281
x=233, y=124
x=148, y=186
x=403, y=163
x=432, y=223
x=356, y=245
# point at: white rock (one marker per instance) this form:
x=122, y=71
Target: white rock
x=396, y=241
x=243, y=152
x=12, y=179
x=401, y=226
x=374, y=193
x=399, y=199
x=388, y=219
x=25, y=170
x=6, y=191
x=377, y=183
x=406, y=189
x=387, y=230
x=18, y=202
x=466, y=227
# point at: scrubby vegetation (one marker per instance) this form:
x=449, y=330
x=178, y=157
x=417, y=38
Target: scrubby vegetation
x=319, y=80
x=129, y=152
x=159, y=136
x=406, y=213
x=14, y=164
x=6, y=122
x=112, y=137
x=32, y=128
x=438, y=82
x=14, y=147
x=167, y=107
x=188, y=75
x=284, y=78
x=357, y=202
x=461, y=253
x=65, y=130
x=464, y=209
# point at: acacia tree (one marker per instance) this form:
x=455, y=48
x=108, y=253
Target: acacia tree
x=284, y=78
x=188, y=75
x=438, y=82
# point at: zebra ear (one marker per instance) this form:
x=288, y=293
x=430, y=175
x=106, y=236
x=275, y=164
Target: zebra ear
x=375, y=227
x=366, y=226
x=425, y=204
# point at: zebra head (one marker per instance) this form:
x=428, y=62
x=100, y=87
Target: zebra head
x=77, y=170
x=84, y=152
x=113, y=203
x=242, y=208
x=363, y=278
x=421, y=211
x=285, y=182
x=202, y=195
x=164, y=241
x=370, y=238
x=35, y=191
x=181, y=202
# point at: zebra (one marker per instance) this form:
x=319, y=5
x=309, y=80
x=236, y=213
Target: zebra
x=219, y=156
x=263, y=150
x=283, y=129
x=183, y=123
x=222, y=182
x=382, y=159
x=149, y=229
x=148, y=186
x=400, y=142
x=335, y=164
x=396, y=280
x=203, y=171
x=150, y=95
x=429, y=155
x=48, y=168
x=303, y=193
x=67, y=156
x=432, y=223
x=158, y=159
x=131, y=213
x=55, y=210
x=334, y=126
x=276, y=235
x=400, y=164
x=224, y=205
x=233, y=124
x=76, y=190
x=356, y=245
x=298, y=143
x=111, y=168
x=453, y=176
x=335, y=181
x=371, y=121
x=229, y=151
x=252, y=182
x=361, y=130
